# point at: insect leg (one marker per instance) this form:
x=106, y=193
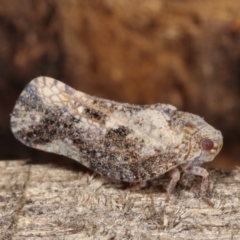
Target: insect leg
x=137, y=185
x=175, y=175
x=196, y=170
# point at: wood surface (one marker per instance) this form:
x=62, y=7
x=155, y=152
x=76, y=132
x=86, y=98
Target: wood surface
x=49, y=201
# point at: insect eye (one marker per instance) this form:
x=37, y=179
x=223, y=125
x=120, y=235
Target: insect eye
x=207, y=144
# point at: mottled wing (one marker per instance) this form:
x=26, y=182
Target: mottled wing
x=122, y=141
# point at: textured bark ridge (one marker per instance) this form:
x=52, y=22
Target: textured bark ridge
x=55, y=202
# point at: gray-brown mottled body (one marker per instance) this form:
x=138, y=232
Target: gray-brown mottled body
x=127, y=142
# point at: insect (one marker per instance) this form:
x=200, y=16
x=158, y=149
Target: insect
x=122, y=141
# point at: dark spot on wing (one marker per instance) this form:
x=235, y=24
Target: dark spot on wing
x=95, y=115
x=120, y=132
x=55, y=82
x=68, y=90
x=30, y=99
x=35, y=80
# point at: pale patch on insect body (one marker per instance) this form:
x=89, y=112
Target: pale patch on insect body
x=56, y=146
x=55, y=90
x=48, y=82
x=131, y=143
x=84, y=98
x=111, y=123
x=47, y=92
x=109, y=105
x=67, y=141
x=80, y=110
x=63, y=98
x=56, y=99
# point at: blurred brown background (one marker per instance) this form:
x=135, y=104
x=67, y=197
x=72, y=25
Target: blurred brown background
x=182, y=52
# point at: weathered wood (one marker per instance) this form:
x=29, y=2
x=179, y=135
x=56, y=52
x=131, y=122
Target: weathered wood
x=55, y=202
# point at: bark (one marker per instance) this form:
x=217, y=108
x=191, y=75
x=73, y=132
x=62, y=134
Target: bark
x=46, y=201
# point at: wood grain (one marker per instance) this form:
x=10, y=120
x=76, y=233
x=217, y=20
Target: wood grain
x=46, y=201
